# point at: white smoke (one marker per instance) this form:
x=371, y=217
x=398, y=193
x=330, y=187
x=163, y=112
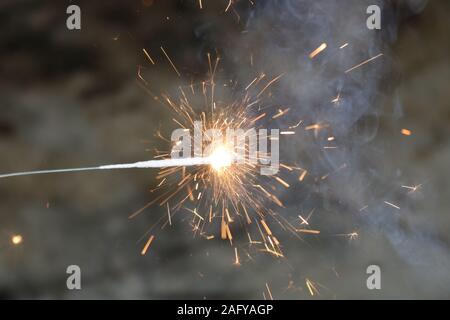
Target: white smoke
x=281, y=34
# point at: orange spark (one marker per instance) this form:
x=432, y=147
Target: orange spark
x=313, y=127
x=149, y=241
x=170, y=61
x=309, y=231
x=392, y=205
x=148, y=56
x=319, y=49
x=296, y=125
x=280, y=113
x=406, y=132
x=412, y=188
x=168, y=214
x=336, y=100
x=281, y=181
x=223, y=230
x=311, y=287
x=302, y=176
x=269, y=232
x=258, y=118
x=230, y=2
x=236, y=256
x=269, y=292
x=363, y=63
x=269, y=84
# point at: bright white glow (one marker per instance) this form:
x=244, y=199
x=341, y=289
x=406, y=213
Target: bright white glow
x=220, y=158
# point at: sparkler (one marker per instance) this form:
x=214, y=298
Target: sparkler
x=219, y=193
x=216, y=160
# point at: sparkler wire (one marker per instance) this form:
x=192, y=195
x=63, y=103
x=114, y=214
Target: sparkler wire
x=181, y=162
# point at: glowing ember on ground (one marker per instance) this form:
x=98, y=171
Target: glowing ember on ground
x=16, y=239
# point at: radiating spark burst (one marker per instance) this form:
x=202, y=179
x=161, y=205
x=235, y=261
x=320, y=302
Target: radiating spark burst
x=218, y=193
x=224, y=195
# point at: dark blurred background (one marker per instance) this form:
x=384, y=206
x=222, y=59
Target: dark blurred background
x=71, y=99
